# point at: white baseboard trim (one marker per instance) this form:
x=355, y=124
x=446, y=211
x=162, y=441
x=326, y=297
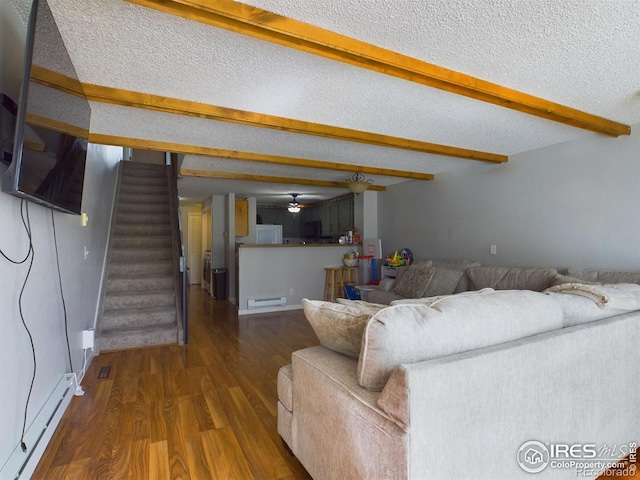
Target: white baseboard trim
x=22, y=464
x=269, y=309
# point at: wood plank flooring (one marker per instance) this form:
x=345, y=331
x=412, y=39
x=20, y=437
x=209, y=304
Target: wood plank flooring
x=203, y=411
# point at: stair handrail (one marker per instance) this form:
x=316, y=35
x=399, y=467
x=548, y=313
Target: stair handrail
x=178, y=246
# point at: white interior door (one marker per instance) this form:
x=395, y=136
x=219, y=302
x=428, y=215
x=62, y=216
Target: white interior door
x=194, y=248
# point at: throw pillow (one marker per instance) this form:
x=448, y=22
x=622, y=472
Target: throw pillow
x=338, y=326
x=414, y=281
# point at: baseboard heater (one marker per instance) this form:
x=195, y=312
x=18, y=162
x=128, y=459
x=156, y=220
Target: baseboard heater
x=266, y=302
x=22, y=464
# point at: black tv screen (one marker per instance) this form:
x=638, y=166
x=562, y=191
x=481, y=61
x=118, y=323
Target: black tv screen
x=51, y=124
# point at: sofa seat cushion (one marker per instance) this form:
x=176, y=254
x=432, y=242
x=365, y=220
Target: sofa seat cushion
x=339, y=326
x=601, y=276
x=411, y=333
x=414, y=280
x=285, y=387
x=383, y=297
x=511, y=278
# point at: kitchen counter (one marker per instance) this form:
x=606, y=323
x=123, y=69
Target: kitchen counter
x=286, y=272
x=279, y=245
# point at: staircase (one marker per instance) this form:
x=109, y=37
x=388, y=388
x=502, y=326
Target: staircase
x=140, y=299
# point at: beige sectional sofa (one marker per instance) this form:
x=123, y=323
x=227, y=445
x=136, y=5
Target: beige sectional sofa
x=451, y=387
x=428, y=278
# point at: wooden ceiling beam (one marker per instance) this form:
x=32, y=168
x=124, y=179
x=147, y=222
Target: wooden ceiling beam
x=186, y=172
x=258, y=23
x=158, y=103
x=57, y=125
x=128, y=98
x=250, y=157
x=320, y=164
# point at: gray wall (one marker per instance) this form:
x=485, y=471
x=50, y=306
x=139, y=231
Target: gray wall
x=571, y=204
x=41, y=302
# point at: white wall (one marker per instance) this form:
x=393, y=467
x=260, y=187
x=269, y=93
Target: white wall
x=571, y=204
x=366, y=214
x=41, y=302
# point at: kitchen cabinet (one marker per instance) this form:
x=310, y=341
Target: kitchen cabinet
x=281, y=216
x=345, y=215
x=337, y=216
x=242, y=218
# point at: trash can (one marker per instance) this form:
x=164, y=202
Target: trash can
x=219, y=280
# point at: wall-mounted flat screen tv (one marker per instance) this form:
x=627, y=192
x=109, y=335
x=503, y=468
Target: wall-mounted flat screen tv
x=52, y=122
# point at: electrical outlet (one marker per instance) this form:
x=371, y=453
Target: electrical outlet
x=291, y=291
x=493, y=250
x=87, y=339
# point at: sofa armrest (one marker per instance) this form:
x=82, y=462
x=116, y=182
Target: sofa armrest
x=338, y=430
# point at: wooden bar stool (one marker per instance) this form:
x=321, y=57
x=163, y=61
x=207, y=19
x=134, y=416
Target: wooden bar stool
x=332, y=283
x=350, y=276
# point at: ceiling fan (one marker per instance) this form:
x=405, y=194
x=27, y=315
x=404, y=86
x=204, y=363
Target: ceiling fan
x=294, y=205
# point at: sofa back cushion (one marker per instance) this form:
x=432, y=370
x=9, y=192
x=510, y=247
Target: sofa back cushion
x=577, y=309
x=414, y=280
x=511, y=278
x=601, y=276
x=443, y=268
x=410, y=333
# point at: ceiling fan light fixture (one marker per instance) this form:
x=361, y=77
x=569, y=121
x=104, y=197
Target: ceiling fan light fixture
x=294, y=205
x=357, y=183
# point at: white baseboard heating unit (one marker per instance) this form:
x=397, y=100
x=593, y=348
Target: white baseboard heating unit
x=266, y=302
x=22, y=464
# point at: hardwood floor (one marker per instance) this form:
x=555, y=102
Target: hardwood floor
x=203, y=411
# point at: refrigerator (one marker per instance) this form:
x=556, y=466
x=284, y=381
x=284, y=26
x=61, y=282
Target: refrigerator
x=269, y=234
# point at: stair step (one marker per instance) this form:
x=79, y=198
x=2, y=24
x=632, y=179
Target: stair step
x=140, y=241
x=138, y=317
x=121, y=269
x=119, y=339
x=141, y=254
x=138, y=283
x=143, y=218
x=142, y=229
x=144, y=189
x=125, y=198
x=149, y=298
x=143, y=207
x=137, y=166
x=160, y=181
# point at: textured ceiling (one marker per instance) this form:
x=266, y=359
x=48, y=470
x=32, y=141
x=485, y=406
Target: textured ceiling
x=583, y=54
